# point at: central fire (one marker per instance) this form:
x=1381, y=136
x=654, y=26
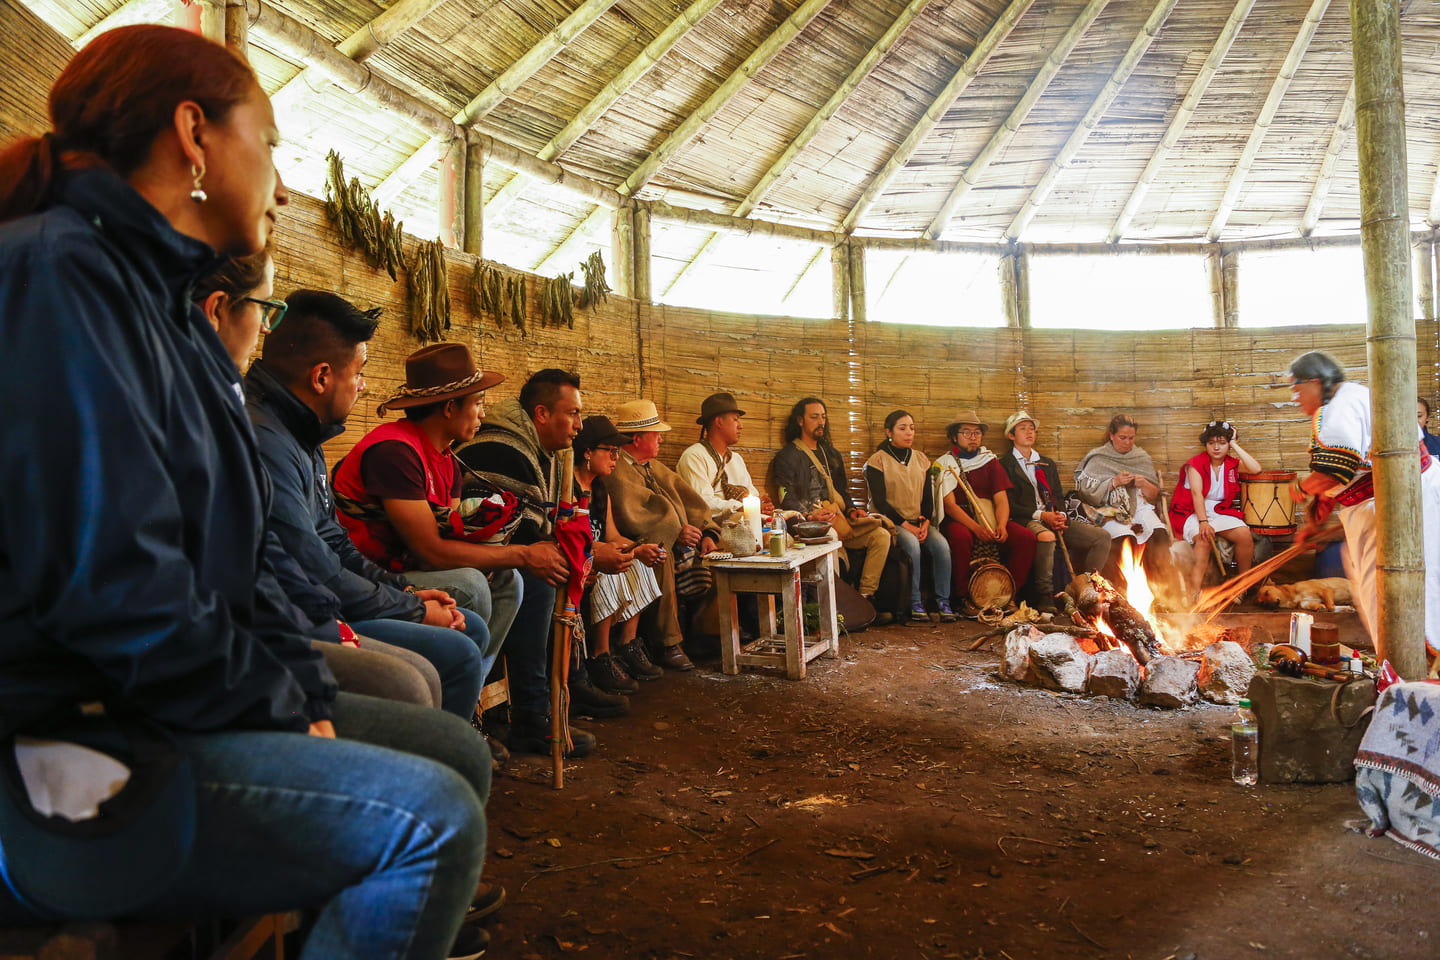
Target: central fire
x=1137, y=587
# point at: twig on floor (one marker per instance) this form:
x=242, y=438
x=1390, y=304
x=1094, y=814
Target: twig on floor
x=755, y=850
x=1087, y=936
x=601, y=863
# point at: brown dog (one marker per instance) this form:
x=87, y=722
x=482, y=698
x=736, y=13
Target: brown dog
x=1306, y=594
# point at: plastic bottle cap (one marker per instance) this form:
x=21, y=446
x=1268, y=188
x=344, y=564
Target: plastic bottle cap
x=1244, y=702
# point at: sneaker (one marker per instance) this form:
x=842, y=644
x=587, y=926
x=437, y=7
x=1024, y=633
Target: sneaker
x=918, y=616
x=488, y=898
x=946, y=614
x=636, y=663
x=587, y=700
x=470, y=942
x=533, y=736
x=608, y=675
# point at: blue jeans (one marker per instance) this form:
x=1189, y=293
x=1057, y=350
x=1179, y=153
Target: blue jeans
x=939, y=551
x=528, y=652
x=460, y=657
x=385, y=843
x=496, y=598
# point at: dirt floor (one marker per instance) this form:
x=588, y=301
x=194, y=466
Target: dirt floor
x=903, y=802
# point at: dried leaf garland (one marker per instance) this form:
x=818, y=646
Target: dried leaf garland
x=486, y=292
x=515, y=290
x=557, y=300
x=429, y=282
x=358, y=219
x=596, y=289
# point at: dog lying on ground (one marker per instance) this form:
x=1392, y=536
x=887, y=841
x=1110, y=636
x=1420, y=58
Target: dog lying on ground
x=1306, y=594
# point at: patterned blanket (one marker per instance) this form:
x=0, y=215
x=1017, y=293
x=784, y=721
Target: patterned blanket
x=1397, y=771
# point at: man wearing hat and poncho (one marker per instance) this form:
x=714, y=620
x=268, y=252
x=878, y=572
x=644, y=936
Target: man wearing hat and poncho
x=712, y=467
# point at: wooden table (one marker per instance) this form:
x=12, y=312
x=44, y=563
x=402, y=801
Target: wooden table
x=767, y=576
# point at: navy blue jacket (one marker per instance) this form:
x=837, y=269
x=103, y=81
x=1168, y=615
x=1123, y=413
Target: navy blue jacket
x=338, y=583
x=132, y=517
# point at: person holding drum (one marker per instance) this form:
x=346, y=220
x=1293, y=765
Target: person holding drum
x=1206, y=502
x=899, y=480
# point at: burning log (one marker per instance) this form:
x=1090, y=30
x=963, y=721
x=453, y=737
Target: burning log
x=1097, y=600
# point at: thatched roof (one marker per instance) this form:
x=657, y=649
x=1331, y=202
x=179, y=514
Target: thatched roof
x=460, y=47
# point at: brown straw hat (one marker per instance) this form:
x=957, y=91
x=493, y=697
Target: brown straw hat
x=968, y=416
x=639, y=416
x=439, y=372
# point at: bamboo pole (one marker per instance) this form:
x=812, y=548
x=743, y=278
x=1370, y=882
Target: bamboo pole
x=1022, y=289
x=840, y=280
x=132, y=11
x=641, y=270
x=722, y=95
x=804, y=272
x=1390, y=343
x=1230, y=283
x=934, y=113
x=723, y=221
x=1098, y=107
x=576, y=238
x=1268, y=109
x=1423, y=265
x=1176, y=127
x=562, y=636
x=707, y=245
x=1011, y=125
x=612, y=91
x=622, y=240
x=522, y=161
x=1343, y=125
x=212, y=19
x=411, y=169
x=1215, y=271
x=857, y=285
x=1008, y=304
x=474, y=222
x=450, y=197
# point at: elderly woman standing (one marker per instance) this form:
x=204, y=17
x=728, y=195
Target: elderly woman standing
x=141, y=630
x=1206, y=502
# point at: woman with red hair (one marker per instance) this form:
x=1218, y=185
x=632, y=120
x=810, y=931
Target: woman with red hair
x=168, y=734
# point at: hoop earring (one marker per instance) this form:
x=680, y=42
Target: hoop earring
x=198, y=193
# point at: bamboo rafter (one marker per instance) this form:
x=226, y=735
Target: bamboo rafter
x=1343, y=128
x=1017, y=116
x=722, y=95
x=801, y=140
x=574, y=240
x=1267, y=114
x=1177, y=124
x=997, y=33
x=607, y=96
x=1116, y=82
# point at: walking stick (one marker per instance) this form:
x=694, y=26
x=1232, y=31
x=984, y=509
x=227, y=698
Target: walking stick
x=560, y=641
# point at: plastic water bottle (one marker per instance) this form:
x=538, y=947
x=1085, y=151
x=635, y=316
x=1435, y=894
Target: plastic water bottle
x=1245, y=747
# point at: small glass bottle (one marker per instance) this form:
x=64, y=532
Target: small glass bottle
x=1245, y=746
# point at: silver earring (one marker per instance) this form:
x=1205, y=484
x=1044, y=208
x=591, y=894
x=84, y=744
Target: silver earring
x=197, y=194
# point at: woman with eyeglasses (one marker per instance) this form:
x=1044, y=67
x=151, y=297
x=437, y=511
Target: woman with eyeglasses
x=164, y=695
x=236, y=301
x=1206, y=502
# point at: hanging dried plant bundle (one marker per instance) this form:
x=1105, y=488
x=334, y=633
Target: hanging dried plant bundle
x=515, y=291
x=557, y=300
x=486, y=292
x=358, y=219
x=429, y=293
x=596, y=289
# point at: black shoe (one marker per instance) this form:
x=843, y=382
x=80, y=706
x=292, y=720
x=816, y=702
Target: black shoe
x=488, y=898
x=883, y=619
x=632, y=656
x=673, y=658
x=499, y=756
x=608, y=675
x=588, y=701
x=533, y=736
x=470, y=942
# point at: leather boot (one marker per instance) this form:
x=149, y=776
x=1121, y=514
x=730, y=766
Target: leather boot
x=633, y=657
x=673, y=658
x=588, y=701
x=607, y=674
x=531, y=734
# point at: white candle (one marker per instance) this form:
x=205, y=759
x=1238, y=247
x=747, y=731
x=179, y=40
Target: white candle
x=751, y=506
x=1300, y=630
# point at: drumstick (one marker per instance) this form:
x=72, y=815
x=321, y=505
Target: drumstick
x=1219, y=560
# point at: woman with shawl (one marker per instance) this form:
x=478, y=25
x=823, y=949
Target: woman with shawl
x=1120, y=481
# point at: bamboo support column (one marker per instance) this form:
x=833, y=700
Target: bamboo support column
x=840, y=280
x=1230, y=286
x=1008, y=303
x=1423, y=263
x=1022, y=289
x=1390, y=344
x=474, y=198
x=622, y=249
x=640, y=270
x=1216, y=272
x=237, y=27
x=857, y=282
x=450, y=197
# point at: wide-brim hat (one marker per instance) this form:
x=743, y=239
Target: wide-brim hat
x=968, y=416
x=440, y=372
x=716, y=405
x=598, y=431
x=639, y=416
x=1014, y=420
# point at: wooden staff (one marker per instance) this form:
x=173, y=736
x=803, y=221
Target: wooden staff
x=560, y=640
x=1219, y=560
x=974, y=500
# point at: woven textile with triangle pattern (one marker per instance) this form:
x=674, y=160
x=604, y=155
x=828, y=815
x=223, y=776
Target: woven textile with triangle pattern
x=1397, y=771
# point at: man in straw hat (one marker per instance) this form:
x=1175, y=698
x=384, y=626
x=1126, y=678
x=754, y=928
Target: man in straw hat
x=652, y=504
x=712, y=467
x=408, y=470
x=1038, y=500
x=971, y=462
x=809, y=474
x=515, y=450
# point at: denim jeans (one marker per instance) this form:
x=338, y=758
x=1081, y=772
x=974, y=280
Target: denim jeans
x=939, y=551
x=528, y=652
x=496, y=598
x=382, y=830
x=458, y=656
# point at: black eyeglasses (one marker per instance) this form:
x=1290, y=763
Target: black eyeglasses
x=271, y=311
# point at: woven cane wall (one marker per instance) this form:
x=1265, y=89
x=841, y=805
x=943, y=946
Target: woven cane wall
x=31, y=57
